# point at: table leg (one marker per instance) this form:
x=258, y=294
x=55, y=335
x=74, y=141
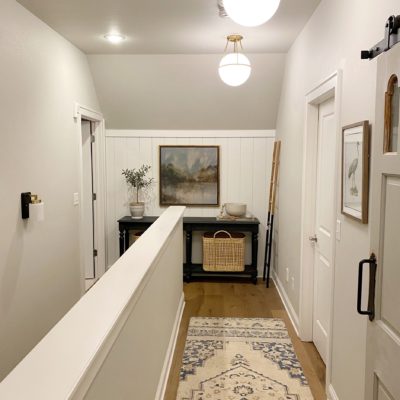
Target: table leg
x=126, y=239
x=188, y=272
x=121, y=241
x=270, y=235
x=254, y=256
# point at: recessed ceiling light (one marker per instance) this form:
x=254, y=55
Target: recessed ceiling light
x=115, y=38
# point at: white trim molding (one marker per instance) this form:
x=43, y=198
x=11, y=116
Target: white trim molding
x=191, y=133
x=286, y=302
x=88, y=113
x=328, y=88
x=332, y=394
x=162, y=386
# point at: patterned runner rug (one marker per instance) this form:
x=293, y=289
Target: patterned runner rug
x=240, y=359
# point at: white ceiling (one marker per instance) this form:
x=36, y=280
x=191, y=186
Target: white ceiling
x=166, y=26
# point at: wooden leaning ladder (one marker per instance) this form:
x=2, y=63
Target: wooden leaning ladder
x=271, y=211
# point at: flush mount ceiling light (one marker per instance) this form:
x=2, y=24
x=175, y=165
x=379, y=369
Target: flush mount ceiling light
x=114, y=38
x=251, y=12
x=234, y=68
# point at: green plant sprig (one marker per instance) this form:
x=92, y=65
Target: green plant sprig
x=136, y=178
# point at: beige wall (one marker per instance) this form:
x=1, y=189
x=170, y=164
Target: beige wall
x=185, y=92
x=42, y=75
x=332, y=39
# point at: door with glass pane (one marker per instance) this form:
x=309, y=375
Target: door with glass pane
x=383, y=332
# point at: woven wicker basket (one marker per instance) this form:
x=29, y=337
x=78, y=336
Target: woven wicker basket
x=135, y=236
x=223, y=251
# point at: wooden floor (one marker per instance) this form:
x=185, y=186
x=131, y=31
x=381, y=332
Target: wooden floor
x=206, y=299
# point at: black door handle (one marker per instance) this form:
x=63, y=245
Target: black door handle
x=371, y=294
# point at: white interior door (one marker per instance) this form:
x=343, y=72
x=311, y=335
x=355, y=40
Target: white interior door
x=87, y=202
x=383, y=333
x=324, y=226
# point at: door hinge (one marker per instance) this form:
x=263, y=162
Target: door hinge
x=94, y=253
x=94, y=196
x=92, y=138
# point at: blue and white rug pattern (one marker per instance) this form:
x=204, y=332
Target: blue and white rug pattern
x=240, y=359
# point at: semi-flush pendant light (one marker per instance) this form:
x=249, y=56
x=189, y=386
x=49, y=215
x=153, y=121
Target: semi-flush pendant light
x=251, y=12
x=234, y=68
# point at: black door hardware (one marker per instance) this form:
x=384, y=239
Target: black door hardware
x=372, y=280
x=392, y=36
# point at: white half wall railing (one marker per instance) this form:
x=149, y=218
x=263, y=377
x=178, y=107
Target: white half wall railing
x=117, y=341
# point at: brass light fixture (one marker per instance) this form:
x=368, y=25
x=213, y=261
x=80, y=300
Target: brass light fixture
x=235, y=67
x=31, y=202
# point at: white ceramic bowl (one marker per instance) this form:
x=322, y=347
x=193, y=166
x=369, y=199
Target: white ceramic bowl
x=236, y=209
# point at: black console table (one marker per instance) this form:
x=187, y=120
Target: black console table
x=191, y=224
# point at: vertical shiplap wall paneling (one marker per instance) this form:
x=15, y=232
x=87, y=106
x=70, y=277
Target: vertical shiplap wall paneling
x=154, y=205
x=111, y=208
x=262, y=163
x=120, y=154
x=234, y=166
x=146, y=157
x=224, y=168
x=245, y=180
x=246, y=171
x=245, y=167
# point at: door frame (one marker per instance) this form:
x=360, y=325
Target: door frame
x=325, y=90
x=82, y=112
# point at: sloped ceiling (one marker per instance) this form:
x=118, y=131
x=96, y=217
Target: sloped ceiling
x=185, y=92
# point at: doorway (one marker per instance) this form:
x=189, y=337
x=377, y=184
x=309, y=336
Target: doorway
x=88, y=203
x=91, y=142
x=319, y=209
x=321, y=240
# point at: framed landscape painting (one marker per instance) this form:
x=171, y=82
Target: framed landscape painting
x=189, y=175
x=355, y=171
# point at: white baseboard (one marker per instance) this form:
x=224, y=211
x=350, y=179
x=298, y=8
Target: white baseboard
x=162, y=384
x=332, y=394
x=286, y=302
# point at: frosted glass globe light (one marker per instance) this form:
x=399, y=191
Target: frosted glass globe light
x=234, y=69
x=251, y=12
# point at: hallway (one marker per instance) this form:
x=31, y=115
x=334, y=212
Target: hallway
x=242, y=300
x=150, y=116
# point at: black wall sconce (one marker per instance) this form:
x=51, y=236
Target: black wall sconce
x=392, y=37
x=28, y=198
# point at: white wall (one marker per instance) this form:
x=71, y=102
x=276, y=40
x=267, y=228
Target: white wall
x=184, y=91
x=42, y=75
x=245, y=168
x=332, y=39
x=137, y=366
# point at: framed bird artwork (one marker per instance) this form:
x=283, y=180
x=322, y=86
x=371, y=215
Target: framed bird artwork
x=355, y=170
